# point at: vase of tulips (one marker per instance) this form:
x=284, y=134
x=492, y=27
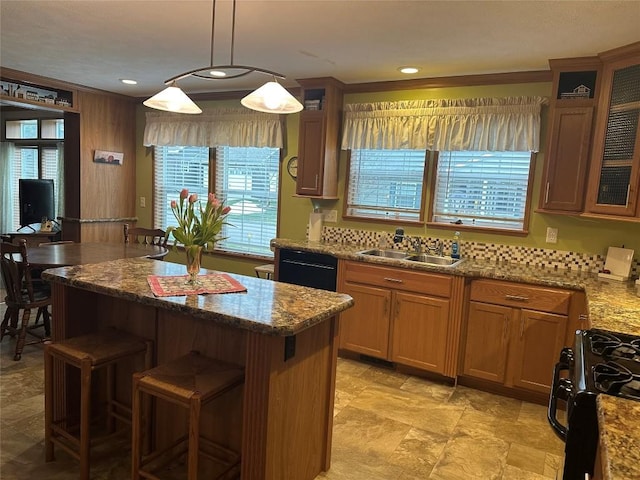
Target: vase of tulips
x=198, y=227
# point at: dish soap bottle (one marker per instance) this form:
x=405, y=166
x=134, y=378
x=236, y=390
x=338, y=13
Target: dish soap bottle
x=455, y=246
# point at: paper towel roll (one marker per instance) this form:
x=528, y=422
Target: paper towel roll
x=315, y=227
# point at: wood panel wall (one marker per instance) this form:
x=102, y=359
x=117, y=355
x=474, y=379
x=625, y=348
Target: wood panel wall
x=107, y=192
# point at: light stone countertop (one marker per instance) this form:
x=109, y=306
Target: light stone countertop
x=266, y=307
x=612, y=306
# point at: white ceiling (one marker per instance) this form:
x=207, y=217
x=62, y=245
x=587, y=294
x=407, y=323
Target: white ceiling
x=97, y=42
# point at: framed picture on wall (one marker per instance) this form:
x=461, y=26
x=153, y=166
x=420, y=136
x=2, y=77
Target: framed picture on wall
x=112, y=158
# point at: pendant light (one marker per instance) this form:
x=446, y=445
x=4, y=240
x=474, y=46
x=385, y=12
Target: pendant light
x=270, y=98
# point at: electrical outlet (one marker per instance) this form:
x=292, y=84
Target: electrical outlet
x=330, y=216
x=143, y=202
x=552, y=235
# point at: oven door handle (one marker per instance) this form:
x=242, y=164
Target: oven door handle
x=561, y=388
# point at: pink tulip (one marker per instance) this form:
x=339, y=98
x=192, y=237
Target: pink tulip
x=211, y=198
x=226, y=210
x=174, y=204
x=193, y=198
x=184, y=193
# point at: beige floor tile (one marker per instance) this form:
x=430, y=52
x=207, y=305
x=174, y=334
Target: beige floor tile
x=532, y=412
x=341, y=400
x=418, y=452
x=440, y=392
x=526, y=458
x=535, y=435
x=488, y=403
x=515, y=473
x=472, y=455
x=410, y=408
x=384, y=376
x=552, y=465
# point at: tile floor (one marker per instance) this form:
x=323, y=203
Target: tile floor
x=387, y=426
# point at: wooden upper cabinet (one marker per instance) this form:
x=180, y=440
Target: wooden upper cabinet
x=318, y=138
x=575, y=90
x=614, y=178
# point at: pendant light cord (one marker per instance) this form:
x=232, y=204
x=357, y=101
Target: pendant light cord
x=233, y=30
x=213, y=29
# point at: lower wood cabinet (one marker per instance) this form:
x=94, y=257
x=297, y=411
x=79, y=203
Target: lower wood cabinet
x=515, y=333
x=399, y=315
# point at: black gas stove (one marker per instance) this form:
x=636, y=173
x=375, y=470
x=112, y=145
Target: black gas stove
x=601, y=362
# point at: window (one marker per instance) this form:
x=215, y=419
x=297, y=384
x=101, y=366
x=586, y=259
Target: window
x=35, y=155
x=246, y=178
x=386, y=185
x=483, y=189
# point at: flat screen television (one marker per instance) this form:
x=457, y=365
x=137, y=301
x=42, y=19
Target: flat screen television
x=36, y=200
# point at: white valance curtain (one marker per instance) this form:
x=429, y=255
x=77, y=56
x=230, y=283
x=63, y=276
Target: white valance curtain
x=474, y=124
x=213, y=128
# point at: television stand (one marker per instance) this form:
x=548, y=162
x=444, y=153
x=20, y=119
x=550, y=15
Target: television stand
x=29, y=226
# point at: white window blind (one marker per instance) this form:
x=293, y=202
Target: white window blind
x=176, y=168
x=247, y=181
x=386, y=184
x=31, y=162
x=483, y=189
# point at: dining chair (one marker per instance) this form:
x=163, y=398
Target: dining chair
x=145, y=236
x=22, y=294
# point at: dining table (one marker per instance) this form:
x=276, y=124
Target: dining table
x=82, y=253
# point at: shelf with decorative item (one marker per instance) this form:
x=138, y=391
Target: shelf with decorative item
x=26, y=94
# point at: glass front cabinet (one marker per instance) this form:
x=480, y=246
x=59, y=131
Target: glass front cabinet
x=614, y=180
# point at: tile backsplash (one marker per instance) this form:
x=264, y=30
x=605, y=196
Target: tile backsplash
x=538, y=257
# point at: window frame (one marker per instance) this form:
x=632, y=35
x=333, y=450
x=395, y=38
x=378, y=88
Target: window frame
x=391, y=221
x=213, y=170
x=433, y=169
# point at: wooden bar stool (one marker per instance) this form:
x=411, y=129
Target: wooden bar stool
x=88, y=353
x=190, y=381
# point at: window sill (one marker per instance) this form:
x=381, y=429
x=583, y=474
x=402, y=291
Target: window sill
x=471, y=228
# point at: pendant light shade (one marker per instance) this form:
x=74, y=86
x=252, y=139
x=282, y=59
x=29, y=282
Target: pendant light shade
x=172, y=99
x=272, y=98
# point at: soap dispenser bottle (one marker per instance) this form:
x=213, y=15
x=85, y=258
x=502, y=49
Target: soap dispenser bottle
x=455, y=246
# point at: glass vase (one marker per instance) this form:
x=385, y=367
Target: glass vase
x=194, y=257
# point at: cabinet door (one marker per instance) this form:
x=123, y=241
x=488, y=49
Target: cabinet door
x=419, y=331
x=364, y=328
x=535, y=348
x=310, y=154
x=487, y=341
x=567, y=159
x=615, y=170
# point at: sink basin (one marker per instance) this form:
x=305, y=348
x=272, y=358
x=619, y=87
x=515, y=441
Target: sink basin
x=434, y=260
x=377, y=252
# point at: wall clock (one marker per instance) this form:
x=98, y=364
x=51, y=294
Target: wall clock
x=292, y=167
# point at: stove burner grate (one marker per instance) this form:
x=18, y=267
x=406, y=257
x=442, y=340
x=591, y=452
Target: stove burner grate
x=609, y=346
x=615, y=379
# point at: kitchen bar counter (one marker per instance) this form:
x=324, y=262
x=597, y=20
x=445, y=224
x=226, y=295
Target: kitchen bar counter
x=285, y=336
x=612, y=306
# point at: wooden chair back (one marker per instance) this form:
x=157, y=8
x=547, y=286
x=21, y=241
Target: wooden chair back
x=145, y=236
x=15, y=272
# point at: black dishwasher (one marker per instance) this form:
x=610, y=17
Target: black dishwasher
x=315, y=270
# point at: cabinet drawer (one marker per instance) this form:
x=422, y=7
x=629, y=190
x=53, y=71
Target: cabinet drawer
x=398, y=279
x=521, y=296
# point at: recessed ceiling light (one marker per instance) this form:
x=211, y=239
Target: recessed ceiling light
x=128, y=81
x=409, y=69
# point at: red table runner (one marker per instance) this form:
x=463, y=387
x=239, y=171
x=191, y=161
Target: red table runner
x=172, y=286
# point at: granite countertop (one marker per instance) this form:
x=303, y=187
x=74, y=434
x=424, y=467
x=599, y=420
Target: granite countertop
x=266, y=307
x=612, y=306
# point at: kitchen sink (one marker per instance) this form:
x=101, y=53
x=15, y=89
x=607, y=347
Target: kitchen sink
x=433, y=260
x=378, y=252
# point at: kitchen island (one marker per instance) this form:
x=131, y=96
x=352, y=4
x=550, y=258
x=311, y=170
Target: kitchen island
x=284, y=336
